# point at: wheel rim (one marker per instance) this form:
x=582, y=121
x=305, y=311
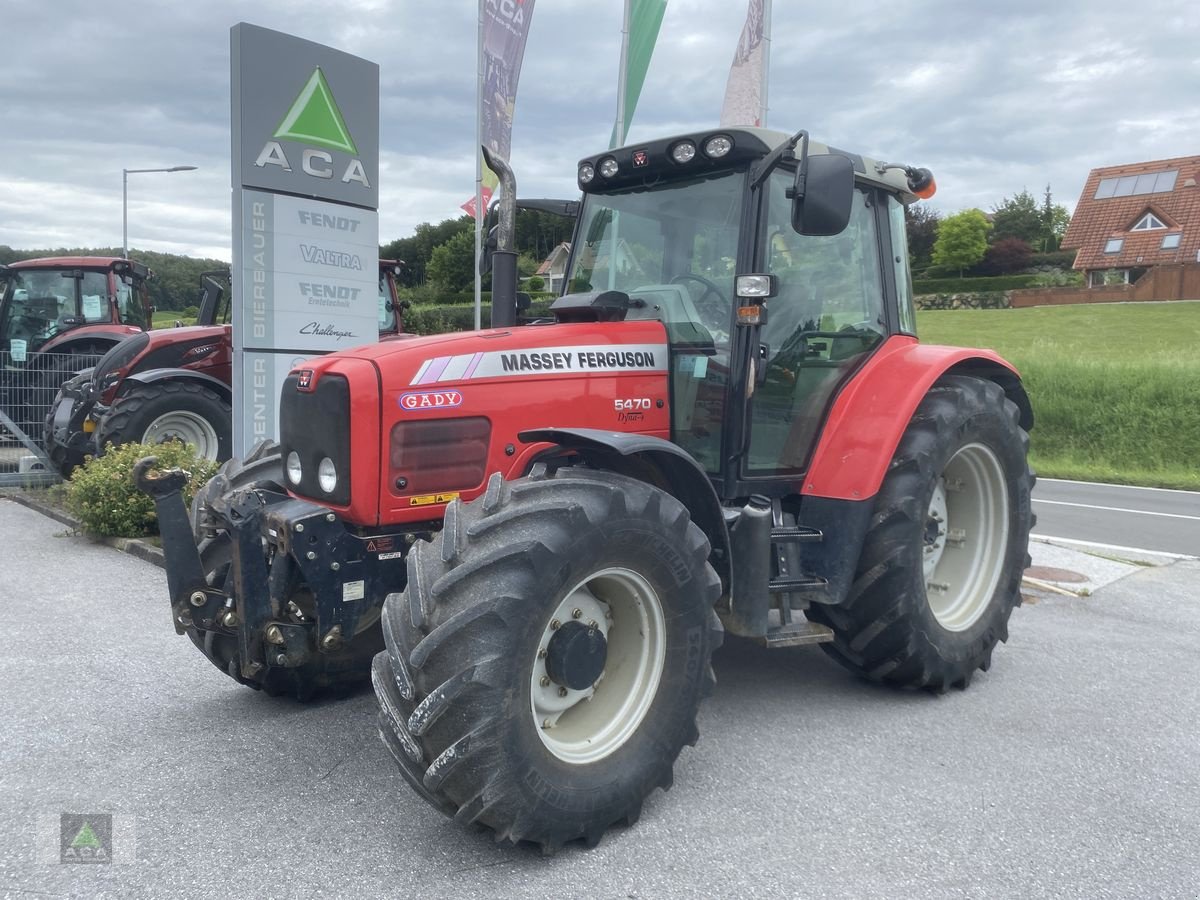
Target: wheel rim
x=187, y=428
x=965, y=540
x=583, y=726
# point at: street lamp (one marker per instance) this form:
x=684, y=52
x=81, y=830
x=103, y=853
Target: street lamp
x=125, y=173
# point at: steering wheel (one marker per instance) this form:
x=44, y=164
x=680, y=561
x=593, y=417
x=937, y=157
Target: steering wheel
x=714, y=313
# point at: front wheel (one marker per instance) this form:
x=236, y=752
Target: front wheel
x=181, y=411
x=546, y=660
x=941, y=565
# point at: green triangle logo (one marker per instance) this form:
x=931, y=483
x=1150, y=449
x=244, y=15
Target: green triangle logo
x=314, y=118
x=86, y=838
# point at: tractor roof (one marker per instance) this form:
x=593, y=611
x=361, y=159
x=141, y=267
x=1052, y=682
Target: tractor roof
x=748, y=144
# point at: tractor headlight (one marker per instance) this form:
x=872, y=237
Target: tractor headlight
x=683, y=152
x=608, y=167
x=327, y=475
x=586, y=173
x=294, y=472
x=717, y=146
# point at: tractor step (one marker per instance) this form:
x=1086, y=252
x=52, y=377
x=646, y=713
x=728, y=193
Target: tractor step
x=796, y=534
x=795, y=634
x=800, y=583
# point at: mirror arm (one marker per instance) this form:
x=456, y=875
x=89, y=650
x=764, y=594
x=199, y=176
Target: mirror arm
x=778, y=155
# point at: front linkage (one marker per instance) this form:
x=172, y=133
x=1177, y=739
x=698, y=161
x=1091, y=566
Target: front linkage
x=276, y=592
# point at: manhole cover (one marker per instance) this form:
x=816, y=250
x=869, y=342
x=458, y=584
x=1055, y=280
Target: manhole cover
x=1049, y=573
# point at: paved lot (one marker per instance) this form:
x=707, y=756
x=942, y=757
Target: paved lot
x=1072, y=769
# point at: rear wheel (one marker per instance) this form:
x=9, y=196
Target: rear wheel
x=348, y=666
x=546, y=661
x=941, y=566
x=181, y=411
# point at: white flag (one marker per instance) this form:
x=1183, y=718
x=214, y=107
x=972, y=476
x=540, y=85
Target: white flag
x=746, y=88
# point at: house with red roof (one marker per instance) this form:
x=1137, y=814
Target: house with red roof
x=1133, y=217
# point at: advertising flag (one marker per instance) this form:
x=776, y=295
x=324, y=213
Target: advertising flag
x=643, y=19
x=746, y=90
x=505, y=25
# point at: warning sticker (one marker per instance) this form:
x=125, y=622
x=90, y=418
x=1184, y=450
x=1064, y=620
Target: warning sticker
x=431, y=499
x=353, y=590
x=395, y=554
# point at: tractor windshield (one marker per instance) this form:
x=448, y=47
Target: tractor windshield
x=674, y=247
x=39, y=303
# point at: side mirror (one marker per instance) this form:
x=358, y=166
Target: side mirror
x=823, y=195
x=490, y=243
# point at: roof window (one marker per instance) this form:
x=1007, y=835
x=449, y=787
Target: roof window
x=1148, y=222
x=1133, y=185
x=1171, y=241
x=1114, y=245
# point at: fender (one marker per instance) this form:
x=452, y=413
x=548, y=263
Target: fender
x=655, y=461
x=868, y=418
x=150, y=376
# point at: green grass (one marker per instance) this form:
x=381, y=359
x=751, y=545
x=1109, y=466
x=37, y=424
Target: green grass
x=1115, y=386
x=166, y=318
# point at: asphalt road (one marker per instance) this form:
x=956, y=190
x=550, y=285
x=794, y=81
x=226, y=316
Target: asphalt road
x=1071, y=769
x=1119, y=515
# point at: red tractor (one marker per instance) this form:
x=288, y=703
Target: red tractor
x=731, y=427
x=170, y=384
x=59, y=315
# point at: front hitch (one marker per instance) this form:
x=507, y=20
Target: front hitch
x=192, y=600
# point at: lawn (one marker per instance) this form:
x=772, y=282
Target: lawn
x=1115, y=386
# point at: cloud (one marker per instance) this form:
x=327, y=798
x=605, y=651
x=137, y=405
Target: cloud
x=994, y=98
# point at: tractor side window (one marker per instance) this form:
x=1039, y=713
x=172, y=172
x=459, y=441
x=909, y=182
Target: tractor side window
x=133, y=305
x=387, y=315
x=93, y=296
x=827, y=316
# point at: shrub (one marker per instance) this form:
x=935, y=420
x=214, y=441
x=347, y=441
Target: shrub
x=102, y=495
x=458, y=317
x=1004, y=257
x=536, y=283
x=971, y=285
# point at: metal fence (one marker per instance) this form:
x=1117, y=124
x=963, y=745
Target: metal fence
x=28, y=388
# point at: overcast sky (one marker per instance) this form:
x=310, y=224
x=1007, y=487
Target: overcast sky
x=994, y=97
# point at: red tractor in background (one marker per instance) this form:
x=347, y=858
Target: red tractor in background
x=58, y=315
x=171, y=384
x=730, y=428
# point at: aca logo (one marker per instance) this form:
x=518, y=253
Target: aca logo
x=418, y=400
x=314, y=118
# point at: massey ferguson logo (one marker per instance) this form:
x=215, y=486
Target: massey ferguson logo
x=431, y=400
x=314, y=118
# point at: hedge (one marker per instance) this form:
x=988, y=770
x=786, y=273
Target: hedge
x=425, y=297
x=457, y=317
x=981, y=300
x=972, y=285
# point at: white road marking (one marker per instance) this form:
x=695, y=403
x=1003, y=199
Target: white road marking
x=1136, y=512
x=1103, y=484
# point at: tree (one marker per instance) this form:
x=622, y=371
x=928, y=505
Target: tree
x=451, y=264
x=961, y=240
x=921, y=225
x=1004, y=257
x=1055, y=220
x=1018, y=217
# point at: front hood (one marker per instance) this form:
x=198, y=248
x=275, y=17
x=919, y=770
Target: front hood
x=511, y=353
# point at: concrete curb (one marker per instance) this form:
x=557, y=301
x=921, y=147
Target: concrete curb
x=143, y=550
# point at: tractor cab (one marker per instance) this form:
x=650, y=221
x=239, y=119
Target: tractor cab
x=776, y=269
x=45, y=299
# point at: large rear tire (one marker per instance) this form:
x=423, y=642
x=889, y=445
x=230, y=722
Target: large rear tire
x=347, y=667
x=940, y=571
x=170, y=411
x=545, y=663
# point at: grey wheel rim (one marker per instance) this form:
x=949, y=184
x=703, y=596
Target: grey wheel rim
x=187, y=428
